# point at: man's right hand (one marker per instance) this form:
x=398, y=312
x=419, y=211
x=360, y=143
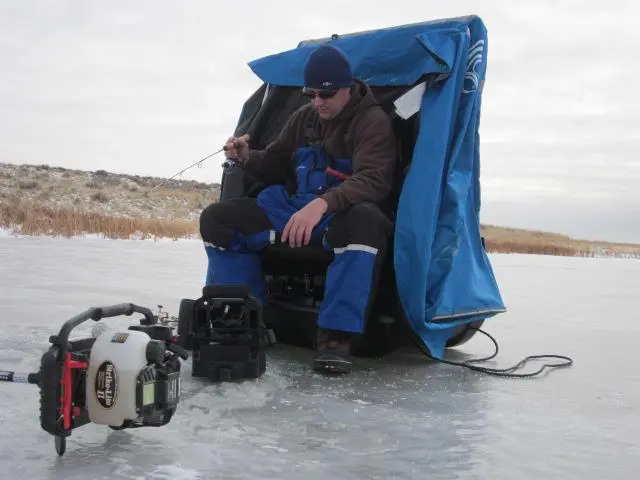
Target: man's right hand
x=237, y=148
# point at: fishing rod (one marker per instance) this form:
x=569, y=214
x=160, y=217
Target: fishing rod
x=198, y=163
x=227, y=166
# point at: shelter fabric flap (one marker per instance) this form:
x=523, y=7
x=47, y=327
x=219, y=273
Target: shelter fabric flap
x=398, y=56
x=443, y=275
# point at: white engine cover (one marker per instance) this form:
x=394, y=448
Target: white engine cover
x=115, y=360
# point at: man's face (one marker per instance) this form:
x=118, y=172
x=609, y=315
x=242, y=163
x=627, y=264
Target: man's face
x=328, y=103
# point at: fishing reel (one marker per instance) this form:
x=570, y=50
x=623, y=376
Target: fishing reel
x=127, y=378
x=228, y=165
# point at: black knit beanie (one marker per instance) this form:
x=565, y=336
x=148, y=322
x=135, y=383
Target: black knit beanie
x=327, y=68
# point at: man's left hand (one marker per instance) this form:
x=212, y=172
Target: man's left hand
x=299, y=227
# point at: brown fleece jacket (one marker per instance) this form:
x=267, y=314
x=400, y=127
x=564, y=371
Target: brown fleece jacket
x=372, y=147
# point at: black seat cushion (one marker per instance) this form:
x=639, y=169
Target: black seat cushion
x=282, y=259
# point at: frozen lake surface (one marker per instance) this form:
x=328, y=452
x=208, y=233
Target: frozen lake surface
x=403, y=417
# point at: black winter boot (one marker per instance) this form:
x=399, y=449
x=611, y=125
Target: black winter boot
x=334, y=350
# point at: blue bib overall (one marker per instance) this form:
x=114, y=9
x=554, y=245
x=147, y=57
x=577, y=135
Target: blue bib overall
x=348, y=281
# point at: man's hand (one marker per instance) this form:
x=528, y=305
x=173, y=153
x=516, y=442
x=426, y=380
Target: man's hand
x=237, y=148
x=299, y=227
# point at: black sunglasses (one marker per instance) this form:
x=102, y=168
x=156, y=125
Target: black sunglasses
x=323, y=94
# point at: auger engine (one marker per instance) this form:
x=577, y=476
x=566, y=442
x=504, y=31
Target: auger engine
x=125, y=378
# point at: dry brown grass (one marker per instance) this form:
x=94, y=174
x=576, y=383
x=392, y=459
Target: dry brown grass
x=43, y=200
x=506, y=246
x=31, y=219
x=28, y=218
x=514, y=240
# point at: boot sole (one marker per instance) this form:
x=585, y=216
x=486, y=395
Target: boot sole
x=334, y=366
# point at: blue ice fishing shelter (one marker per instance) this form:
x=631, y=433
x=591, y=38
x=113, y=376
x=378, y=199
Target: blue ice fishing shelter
x=430, y=77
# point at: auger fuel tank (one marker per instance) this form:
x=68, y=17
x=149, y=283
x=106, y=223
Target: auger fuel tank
x=115, y=363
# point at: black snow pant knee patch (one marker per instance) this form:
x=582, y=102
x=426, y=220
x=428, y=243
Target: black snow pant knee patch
x=362, y=224
x=220, y=221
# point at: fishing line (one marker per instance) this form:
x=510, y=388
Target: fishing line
x=508, y=372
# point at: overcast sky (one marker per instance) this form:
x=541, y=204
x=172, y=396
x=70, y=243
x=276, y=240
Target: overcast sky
x=149, y=87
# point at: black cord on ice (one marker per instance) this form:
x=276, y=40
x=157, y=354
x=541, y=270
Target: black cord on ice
x=508, y=372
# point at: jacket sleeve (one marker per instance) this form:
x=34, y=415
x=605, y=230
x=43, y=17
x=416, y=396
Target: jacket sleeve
x=374, y=161
x=272, y=164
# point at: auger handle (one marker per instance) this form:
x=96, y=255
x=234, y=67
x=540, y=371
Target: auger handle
x=97, y=313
